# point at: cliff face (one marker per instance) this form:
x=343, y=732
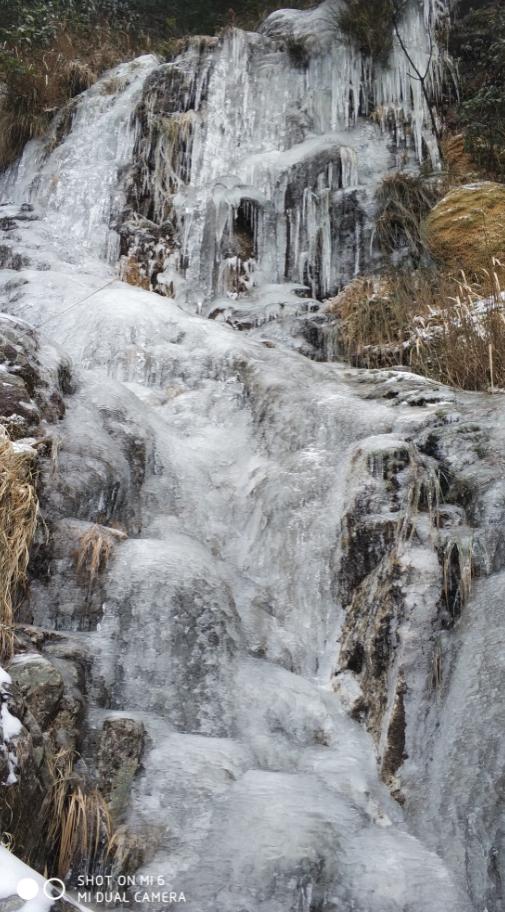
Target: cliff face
x=246, y=641
x=421, y=634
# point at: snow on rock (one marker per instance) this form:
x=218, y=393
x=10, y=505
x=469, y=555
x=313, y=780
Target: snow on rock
x=10, y=728
x=14, y=876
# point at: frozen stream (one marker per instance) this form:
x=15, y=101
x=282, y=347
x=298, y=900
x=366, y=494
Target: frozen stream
x=225, y=456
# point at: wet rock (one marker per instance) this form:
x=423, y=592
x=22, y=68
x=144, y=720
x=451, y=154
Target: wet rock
x=22, y=801
x=387, y=537
x=47, y=699
x=119, y=753
x=40, y=685
x=29, y=388
x=394, y=752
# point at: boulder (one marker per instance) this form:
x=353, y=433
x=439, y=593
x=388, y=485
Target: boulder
x=40, y=684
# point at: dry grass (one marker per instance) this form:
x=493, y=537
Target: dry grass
x=466, y=229
x=457, y=160
x=41, y=81
x=461, y=340
x=95, y=549
x=79, y=825
x=446, y=327
x=18, y=521
x=374, y=321
x=403, y=202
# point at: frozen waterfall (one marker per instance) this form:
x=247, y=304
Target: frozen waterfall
x=237, y=183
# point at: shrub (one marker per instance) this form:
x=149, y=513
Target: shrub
x=403, y=202
x=477, y=43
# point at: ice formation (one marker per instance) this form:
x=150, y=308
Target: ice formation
x=224, y=455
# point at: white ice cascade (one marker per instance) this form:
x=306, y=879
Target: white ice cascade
x=78, y=192
x=280, y=159
x=223, y=456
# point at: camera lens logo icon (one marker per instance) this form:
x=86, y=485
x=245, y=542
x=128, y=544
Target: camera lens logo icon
x=54, y=888
x=28, y=888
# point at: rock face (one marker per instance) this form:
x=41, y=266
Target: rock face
x=434, y=509
x=40, y=685
x=119, y=754
x=49, y=705
x=32, y=381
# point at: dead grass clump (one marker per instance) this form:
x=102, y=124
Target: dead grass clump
x=37, y=82
x=79, y=77
x=373, y=321
x=457, y=160
x=462, y=340
x=466, y=229
x=95, y=549
x=441, y=325
x=18, y=521
x=403, y=202
x=79, y=832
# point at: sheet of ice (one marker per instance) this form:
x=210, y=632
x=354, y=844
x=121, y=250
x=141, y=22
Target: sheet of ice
x=220, y=614
x=226, y=460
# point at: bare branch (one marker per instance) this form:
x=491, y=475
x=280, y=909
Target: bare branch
x=421, y=78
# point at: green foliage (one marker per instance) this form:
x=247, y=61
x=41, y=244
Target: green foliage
x=35, y=23
x=478, y=44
